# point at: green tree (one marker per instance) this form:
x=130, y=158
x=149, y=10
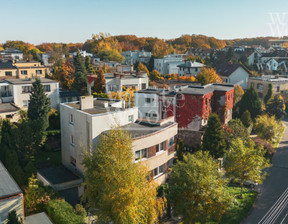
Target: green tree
x=251, y=102
x=238, y=93
x=231, y=56
x=111, y=55
x=180, y=150
x=246, y=119
x=14, y=168
x=237, y=130
x=39, y=106
x=80, y=82
x=117, y=187
x=197, y=191
x=245, y=163
x=88, y=65
x=214, y=138
x=268, y=128
x=275, y=106
x=155, y=76
x=269, y=93
x=12, y=218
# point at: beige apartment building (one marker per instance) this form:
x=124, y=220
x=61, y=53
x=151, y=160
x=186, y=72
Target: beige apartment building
x=260, y=84
x=83, y=122
x=22, y=69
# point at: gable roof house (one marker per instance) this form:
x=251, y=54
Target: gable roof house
x=236, y=74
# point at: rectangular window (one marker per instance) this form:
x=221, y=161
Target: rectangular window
x=143, y=86
x=72, y=140
x=161, y=147
x=47, y=88
x=147, y=100
x=259, y=86
x=141, y=154
x=71, y=119
x=39, y=72
x=130, y=118
x=159, y=170
x=72, y=161
x=25, y=103
x=24, y=72
x=171, y=141
x=26, y=89
x=154, y=115
x=8, y=73
x=278, y=89
x=147, y=114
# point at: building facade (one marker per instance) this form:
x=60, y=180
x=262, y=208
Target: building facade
x=168, y=64
x=189, y=68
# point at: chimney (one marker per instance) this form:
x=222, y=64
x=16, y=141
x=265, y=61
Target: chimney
x=86, y=102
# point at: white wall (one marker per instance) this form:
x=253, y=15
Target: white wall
x=143, y=107
x=240, y=75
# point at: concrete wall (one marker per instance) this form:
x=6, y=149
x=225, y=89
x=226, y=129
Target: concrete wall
x=151, y=108
x=3, y=73
x=13, y=203
x=239, y=76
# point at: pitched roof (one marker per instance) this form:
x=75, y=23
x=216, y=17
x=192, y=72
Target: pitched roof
x=12, y=50
x=7, y=65
x=227, y=68
x=8, y=186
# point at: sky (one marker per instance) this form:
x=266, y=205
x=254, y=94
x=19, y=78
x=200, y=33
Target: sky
x=38, y=21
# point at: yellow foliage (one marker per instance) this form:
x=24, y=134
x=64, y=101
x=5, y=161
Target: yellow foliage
x=208, y=75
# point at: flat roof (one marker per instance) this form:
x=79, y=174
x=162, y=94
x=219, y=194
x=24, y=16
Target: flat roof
x=29, y=81
x=39, y=218
x=8, y=186
x=196, y=90
x=8, y=107
x=139, y=129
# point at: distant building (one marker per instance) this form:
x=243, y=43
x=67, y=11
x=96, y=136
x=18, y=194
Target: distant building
x=12, y=54
x=82, y=124
x=168, y=64
x=131, y=57
x=11, y=196
x=83, y=54
x=236, y=74
x=189, y=68
x=200, y=52
x=22, y=69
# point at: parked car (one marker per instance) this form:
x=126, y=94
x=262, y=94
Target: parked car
x=247, y=183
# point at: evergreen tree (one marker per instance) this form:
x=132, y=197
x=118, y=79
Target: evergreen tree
x=251, y=102
x=269, y=93
x=12, y=218
x=180, y=150
x=99, y=83
x=88, y=65
x=246, y=119
x=276, y=107
x=39, y=106
x=14, y=168
x=197, y=191
x=6, y=136
x=214, y=138
x=117, y=187
x=80, y=82
x=231, y=56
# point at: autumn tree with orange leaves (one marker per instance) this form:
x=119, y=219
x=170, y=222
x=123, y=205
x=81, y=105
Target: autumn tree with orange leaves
x=65, y=74
x=208, y=75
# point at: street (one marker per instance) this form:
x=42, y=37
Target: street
x=271, y=206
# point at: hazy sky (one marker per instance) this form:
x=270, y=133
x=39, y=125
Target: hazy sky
x=38, y=21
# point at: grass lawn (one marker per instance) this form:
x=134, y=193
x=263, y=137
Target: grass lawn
x=275, y=145
x=241, y=207
x=54, y=157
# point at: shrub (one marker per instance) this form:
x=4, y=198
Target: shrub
x=61, y=212
x=266, y=145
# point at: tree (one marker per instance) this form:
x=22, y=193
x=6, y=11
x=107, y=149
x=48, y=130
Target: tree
x=180, y=150
x=12, y=218
x=99, y=83
x=197, y=191
x=238, y=93
x=88, y=65
x=214, y=138
x=142, y=67
x=269, y=93
x=80, y=82
x=268, y=128
x=172, y=76
x=234, y=130
x=275, y=106
x=246, y=119
x=251, y=102
x=65, y=73
x=111, y=55
x=231, y=56
x=208, y=75
x=117, y=187
x=155, y=76
x=39, y=106
x=245, y=163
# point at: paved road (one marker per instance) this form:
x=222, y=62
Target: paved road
x=272, y=204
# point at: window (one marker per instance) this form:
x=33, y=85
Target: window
x=72, y=140
x=278, y=89
x=147, y=100
x=171, y=141
x=71, y=119
x=39, y=72
x=252, y=84
x=25, y=103
x=196, y=69
x=170, y=163
x=161, y=147
x=130, y=118
x=147, y=114
x=8, y=73
x=259, y=86
x=47, y=88
x=159, y=170
x=143, y=86
x=154, y=115
x=26, y=89
x=141, y=154
x=24, y=72
x=72, y=161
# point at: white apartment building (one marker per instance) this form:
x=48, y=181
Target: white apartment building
x=190, y=68
x=168, y=64
x=131, y=57
x=82, y=124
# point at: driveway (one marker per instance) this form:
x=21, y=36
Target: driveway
x=272, y=204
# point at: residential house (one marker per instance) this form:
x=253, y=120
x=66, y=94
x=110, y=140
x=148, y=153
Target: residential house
x=234, y=73
x=189, y=68
x=261, y=84
x=12, y=54
x=168, y=64
x=11, y=196
x=83, y=54
x=82, y=124
x=201, y=52
x=131, y=57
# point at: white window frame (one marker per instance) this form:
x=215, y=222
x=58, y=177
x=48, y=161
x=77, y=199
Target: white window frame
x=158, y=173
x=142, y=153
